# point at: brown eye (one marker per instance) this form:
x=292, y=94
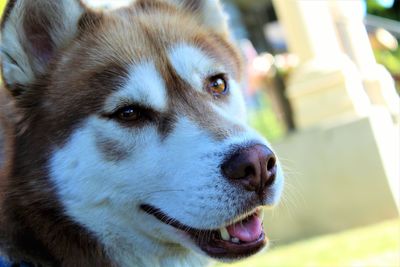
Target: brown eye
x=128, y=114
x=218, y=86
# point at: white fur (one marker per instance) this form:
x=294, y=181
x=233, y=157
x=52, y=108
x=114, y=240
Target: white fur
x=144, y=85
x=210, y=14
x=108, y=3
x=193, y=65
x=214, y=17
x=16, y=67
x=234, y=110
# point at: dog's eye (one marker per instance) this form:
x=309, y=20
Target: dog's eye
x=218, y=85
x=128, y=113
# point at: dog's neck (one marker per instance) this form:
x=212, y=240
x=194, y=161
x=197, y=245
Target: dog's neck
x=141, y=258
x=141, y=250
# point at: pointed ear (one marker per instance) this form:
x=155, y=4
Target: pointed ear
x=209, y=12
x=32, y=32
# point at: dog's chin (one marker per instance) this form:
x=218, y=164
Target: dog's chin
x=242, y=238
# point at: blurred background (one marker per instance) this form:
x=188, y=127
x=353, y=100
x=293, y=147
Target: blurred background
x=323, y=86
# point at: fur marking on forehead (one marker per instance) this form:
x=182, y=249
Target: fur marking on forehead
x=192, y=64
x=144, y=85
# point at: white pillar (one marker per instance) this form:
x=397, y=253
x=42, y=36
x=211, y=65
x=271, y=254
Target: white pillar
x=377, y=81
x=327, y=86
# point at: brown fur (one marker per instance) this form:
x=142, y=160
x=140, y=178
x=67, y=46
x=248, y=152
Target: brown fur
x=112, y=150
x=77, y=80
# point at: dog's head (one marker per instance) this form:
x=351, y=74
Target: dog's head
x=136, y=119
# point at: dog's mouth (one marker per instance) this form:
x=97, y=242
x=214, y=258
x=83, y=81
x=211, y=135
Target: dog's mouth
x=240, y=239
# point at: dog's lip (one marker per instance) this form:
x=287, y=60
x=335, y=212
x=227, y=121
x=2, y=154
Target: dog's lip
x=221, y=249
x=210, y=241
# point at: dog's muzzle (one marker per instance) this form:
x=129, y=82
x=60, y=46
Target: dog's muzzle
x=252, y=169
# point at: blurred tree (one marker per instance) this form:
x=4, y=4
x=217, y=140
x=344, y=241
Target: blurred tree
x=389, y=9
x=256, y=14
x=386, y=9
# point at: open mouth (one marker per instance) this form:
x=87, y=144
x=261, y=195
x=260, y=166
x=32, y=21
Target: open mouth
x=240, y=239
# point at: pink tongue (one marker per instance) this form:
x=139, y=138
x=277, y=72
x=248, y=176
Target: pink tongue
x=246, y=231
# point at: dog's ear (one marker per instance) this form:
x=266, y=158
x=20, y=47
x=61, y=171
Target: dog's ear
x=209, y=12
x=32, y=32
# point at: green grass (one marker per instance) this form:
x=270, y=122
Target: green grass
x=373, y=246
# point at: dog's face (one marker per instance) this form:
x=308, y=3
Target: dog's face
x=142, y=119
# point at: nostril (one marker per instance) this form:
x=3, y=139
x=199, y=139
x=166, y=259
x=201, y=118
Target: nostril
x=271, y=171
x=249, y=170
x=239, y=170
x=271, y=162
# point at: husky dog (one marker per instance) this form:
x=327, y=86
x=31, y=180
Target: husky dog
x=124, y=139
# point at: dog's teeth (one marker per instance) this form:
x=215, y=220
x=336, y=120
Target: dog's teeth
x=235, y=240
x=261, y=216
x=224, y=234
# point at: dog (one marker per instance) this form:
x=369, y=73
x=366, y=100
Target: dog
x=124, y=137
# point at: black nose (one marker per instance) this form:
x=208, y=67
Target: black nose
x=253, y=167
